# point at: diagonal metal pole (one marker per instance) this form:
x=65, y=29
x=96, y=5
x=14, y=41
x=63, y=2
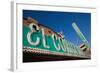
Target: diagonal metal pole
x=80, y=34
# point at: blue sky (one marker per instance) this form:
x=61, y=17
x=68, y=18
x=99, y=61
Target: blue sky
x=62, y=21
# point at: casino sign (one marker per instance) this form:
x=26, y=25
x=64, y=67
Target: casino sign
x=38, y=38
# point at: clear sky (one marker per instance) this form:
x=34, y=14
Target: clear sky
x=62, y=21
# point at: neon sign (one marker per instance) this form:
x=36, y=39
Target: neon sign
x=35, y=37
